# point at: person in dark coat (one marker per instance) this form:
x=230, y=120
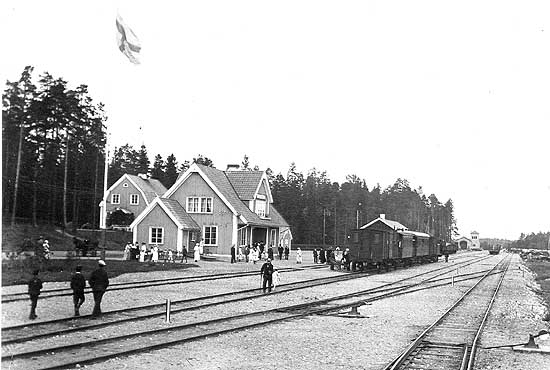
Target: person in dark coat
x=346, y=258
x=35, y=285
x=322, y=257
x=233, y=259
x=280, y=250
x=78, y=283
x=270, y=252
x=315, y=255
x=99, y=281
x=331, y=260
x=267, y=274
x=287, y=252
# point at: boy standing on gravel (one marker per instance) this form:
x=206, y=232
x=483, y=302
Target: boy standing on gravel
x=78, y=283
x=35, y=285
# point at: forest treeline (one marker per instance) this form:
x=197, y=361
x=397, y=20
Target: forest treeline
x=53, y=140
x=539, y=240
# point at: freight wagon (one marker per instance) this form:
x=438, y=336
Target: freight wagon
x=384, y=244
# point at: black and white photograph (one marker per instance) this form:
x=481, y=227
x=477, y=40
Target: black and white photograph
x=275, y=185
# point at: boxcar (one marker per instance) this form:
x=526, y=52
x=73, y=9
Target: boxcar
x=495, y=249
x=384, y=244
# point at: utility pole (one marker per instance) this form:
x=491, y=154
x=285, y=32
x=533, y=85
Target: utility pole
x=324, y=225
x=357, y=218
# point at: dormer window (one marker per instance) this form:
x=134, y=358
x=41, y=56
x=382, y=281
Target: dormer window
x=260, y=207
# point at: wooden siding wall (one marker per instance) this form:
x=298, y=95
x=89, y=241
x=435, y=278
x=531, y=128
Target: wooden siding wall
x=221, y=215
x=125, y=198
x=158, y=218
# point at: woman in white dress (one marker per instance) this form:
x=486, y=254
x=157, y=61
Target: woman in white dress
x=142, y=251
x=298, y=255
x=155, y=251
x=197, y=252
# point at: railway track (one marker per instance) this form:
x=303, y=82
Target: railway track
x=61, y=292
x=451, y=341
x=80, y=353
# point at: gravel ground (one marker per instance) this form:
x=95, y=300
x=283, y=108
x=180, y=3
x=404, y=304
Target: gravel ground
x=315, y=342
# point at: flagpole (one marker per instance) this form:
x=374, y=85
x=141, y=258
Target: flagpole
x=105, y=173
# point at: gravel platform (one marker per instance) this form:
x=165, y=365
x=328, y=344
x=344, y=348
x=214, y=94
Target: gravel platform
x=315, y=342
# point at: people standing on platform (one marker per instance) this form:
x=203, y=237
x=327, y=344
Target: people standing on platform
x=247, y=253
x=322, y=256
x=331, y=260
x=46, y=249
x=315, y=255
x=134, y=254
x=267, y=275
x=99, y=281
x=78, y=283
x=127, y=249
x=280, y=250
x=270, y=252
x=142, y=252
x=287, y=252
x=346, y=259
x=254, y=255
x=170, y=256
x=233, y=259
x=276, y=278
x=155, y=254
x=197, y=252
x=298, y=255
x=35, y=285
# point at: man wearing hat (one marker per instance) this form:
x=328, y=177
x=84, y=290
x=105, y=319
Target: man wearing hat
x=78, y=283
x=35, y=285
x=267, y=273
x=99, y=281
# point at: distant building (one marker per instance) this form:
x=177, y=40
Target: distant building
x=129, y=196
x=475, y=240
x=464, y=243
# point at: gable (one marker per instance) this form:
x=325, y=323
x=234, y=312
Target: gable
x=263, y=189
x=196, y=186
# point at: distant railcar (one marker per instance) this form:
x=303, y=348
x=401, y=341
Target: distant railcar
x=449, y=248
x=384, y=244
x=495, y=249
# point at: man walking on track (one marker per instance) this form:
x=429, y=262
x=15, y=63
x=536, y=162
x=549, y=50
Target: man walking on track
x=99, y=281
x=267, y=273
x=35, y=285
x=78, y=283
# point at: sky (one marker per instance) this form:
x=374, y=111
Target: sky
x=452, y=96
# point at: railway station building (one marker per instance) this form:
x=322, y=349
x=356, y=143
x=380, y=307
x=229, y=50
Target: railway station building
x=221, y=208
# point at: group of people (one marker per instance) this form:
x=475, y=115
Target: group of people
x=42, y=248
x=98, y=281
x=332, y=257
x=256, y=252
x=141, y=253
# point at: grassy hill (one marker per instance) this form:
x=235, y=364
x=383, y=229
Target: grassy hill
x=13, y=238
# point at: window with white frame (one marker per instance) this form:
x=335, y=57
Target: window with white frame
x=134, y=199
x=156, y=235
x=199, y=205
x=125, y=185
x=206, y=205
x=260, y=207
x=210, y=235
x=115, y=198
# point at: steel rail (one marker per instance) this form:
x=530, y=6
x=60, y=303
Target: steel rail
x=293, y=308
x=396, y=363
